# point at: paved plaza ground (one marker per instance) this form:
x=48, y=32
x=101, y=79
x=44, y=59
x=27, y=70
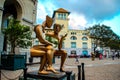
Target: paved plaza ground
x=105, y=69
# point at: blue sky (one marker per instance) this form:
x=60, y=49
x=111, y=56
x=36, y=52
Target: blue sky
x=83, y=13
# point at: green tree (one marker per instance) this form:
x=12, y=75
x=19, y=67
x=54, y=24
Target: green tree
x=17, y=35
x=114, y=44
x=52, y=40
x=103, y=35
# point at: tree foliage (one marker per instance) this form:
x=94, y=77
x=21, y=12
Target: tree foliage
x=17, y=35
x=104, y=36
x=52, y=40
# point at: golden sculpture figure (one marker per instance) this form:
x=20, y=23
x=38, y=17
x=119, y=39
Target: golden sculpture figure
x=59, y=52
x=45, y=51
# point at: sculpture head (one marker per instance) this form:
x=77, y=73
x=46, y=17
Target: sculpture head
x=57, y=28
x=49, y=21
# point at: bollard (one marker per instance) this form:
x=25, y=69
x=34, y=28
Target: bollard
x=0, y=71
x=68, y=74
x=79, y=72
x=25, y=73
x=83, y=73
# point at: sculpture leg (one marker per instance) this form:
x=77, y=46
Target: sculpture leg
x=50, y=57
x=35, y=51
x=43, y=62
x=63, y=58
x=63, y=55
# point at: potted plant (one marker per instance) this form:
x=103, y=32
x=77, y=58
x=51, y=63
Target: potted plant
x=17, y=35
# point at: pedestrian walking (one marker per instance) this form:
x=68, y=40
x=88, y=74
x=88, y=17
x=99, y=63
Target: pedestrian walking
x=105, y=54
x=92, y=56
x=76, y=59
x=118, y=55
x=100, y=56
x=113, y=55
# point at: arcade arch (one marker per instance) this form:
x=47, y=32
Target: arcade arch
x=11, y=9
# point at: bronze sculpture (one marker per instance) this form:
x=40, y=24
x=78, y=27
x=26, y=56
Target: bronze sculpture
x=45, y=51
x=59, y=52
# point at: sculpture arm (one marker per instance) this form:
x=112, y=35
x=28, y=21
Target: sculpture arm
x=60, y=41
x=52, y=35
x=43, y=41
x=39, y=33
x=63, y=37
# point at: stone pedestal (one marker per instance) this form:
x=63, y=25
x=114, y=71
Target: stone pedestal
x=50, y=76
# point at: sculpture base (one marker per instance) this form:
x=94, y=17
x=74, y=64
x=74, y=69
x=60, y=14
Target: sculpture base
x=50, y=76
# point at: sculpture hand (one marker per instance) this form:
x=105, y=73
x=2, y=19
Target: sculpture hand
x=63, y=36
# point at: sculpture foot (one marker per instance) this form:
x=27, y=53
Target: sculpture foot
x=43, y=72
x=62, y=70
x=52, y=69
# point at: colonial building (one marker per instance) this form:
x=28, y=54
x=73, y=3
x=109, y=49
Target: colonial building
x=23, y=10
x=76, y=42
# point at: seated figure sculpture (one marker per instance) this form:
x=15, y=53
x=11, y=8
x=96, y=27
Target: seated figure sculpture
x=59, y=52
x=45, y=50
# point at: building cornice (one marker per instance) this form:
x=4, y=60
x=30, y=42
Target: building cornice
x=26, y=20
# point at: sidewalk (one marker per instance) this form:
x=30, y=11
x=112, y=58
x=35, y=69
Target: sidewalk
x=106, y=69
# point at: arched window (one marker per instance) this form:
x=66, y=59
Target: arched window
x=73, y=38
x=84, y=38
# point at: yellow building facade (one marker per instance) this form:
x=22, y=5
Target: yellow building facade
x=77, y=42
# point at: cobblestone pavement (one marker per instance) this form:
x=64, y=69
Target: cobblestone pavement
x=106, y=69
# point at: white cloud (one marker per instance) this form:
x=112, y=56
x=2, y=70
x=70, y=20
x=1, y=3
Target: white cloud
x=94, y=12
x=41, y=12
x=77, y=21
x=50, y=7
